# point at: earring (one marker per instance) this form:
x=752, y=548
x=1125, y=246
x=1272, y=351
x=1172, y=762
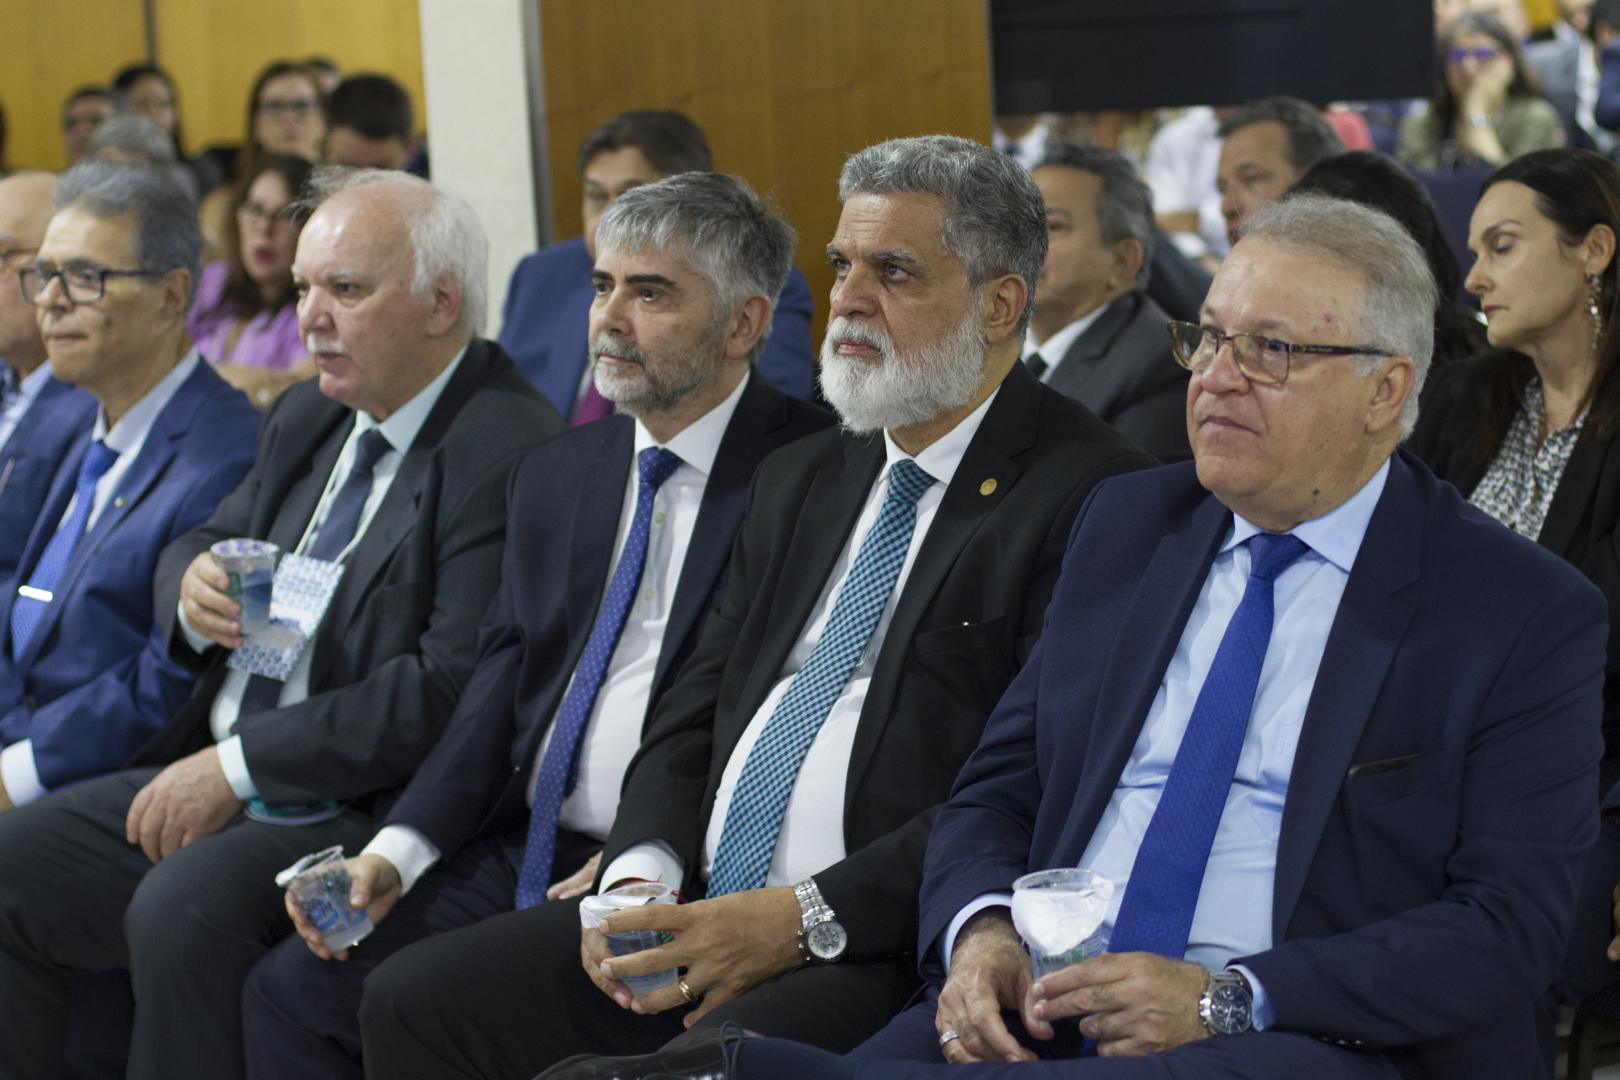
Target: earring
x=1594, y=310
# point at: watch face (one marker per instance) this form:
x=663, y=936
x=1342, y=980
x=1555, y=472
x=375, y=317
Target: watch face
x=1229, y=1010
x=827, y=940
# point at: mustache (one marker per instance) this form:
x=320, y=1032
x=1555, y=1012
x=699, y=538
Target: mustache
x=316, y=343
x=623, y=350
x=842, y=330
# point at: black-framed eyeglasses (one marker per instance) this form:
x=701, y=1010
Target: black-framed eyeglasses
x=263, y=215
x=290, y=106
x=1261, y=359
x=1482, y=53
x=80, y=284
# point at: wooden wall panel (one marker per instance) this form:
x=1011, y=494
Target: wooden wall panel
x=785, y=89
x=50, y=48
x=214, y=50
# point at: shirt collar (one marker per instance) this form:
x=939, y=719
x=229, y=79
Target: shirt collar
x=132, y=428
x=698, y=443
x=1337, y=535
x=32, y=383
x=405, y=422
x=1054, y=348
x=944, y=455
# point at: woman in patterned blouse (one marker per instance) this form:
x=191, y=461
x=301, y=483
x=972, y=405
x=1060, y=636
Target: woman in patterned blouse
x=1527, y=431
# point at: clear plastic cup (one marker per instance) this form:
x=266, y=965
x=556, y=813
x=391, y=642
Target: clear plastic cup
x=593, y=909
x=251, y=566
x=320, y=885
x=1059, y=914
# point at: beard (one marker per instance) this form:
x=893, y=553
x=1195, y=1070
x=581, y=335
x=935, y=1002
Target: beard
x=648, y=388
x=900, y=388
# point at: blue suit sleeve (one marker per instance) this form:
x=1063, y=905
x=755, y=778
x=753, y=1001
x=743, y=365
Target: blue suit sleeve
x=788, y=359
x=1606, y=111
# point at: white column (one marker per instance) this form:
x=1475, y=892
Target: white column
x=481, y=70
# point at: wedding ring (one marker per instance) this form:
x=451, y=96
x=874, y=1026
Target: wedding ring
x=946, y=1036
x=686, y=992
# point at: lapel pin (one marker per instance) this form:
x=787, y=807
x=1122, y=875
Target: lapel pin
x=118, y=502
x=988, y=487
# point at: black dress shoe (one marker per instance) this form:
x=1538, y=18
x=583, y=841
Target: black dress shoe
x=705, y=1054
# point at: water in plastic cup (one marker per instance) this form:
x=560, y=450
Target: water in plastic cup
x=320, y=885
x=251, y=567
x=593, y=909
x=1059, y=914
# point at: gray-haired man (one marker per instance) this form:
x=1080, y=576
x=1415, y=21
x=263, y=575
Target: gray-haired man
x=618, y=535
x=394, y=469
x=888, y=581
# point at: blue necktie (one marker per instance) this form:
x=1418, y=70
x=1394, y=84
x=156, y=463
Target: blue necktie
x=28, y=611
x=561, y=763
x=335, y=533
x=1156, y=912
x=754, y=817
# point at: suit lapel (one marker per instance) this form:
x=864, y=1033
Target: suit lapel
x=597, y=507
x=1574, y=495
x=282, y=513
x=1367, y=632
x=1079, y=362
x=50, y=516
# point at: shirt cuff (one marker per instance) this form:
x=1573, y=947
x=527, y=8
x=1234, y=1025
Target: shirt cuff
x=234, y=762
x=411, y=853
x=652, y=860
x=196, y=641
x=972, y=908
x=18, y=771
x=1260, y=1010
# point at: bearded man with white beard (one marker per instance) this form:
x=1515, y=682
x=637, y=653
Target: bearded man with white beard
x=888, y=581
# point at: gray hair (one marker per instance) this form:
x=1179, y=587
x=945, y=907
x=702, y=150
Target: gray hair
x=995, y=219
x=1397, y=308
x=1310, y=137
x=736, y=240
x=133, y=135
x=167, y=235
x=1124, y=203
x=446, y=236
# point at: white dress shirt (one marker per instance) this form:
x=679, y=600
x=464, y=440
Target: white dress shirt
x=613, y=731
x=1182, y=161
x=400, y=429
x=812, y=836
x=1054, y=348
x=1233, y=916
x=1029, y=148
x=28, y=388
x=127, y=437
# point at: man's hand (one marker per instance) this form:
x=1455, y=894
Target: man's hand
x=594, y=952
x=184, y=803
x=576, y=884
x=1614, y=946
x=1131, y=1003
x=728, y=946
x=5, y=796
x=207, y=608
x=989, y=973
x=373, y=884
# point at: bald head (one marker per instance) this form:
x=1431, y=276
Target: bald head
x=25, y=210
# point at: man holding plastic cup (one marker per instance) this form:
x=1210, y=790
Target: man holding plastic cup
x=384, y=485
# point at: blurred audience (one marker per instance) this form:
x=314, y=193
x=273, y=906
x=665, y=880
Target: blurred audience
x=147, y=90
x=370, y=124
x=84, y=111
x=1180, y=169
x=1265, y=147
x=245, y=319
x=1487, y=106
x=127, y=139
x=327, y=73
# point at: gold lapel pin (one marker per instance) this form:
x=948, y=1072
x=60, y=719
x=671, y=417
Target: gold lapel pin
x=988, y=487
x=118, y=501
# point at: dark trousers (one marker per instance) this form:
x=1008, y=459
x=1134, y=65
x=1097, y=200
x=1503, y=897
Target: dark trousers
x=76, y=897
x=508, y=998
x=908, y=1049
x=301, y=1015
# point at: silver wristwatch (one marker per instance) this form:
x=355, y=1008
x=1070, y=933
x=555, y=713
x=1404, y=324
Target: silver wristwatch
x=822, y=938
x=1227, y=1007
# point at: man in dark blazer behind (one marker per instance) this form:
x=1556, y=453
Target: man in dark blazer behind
x=395, y=466
x=1095, y=334
x=887, y=582
x=715, y=257
x=1344, y=847
x=40, y=415
x=84, y=677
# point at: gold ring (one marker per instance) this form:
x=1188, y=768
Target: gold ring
x=686, y=992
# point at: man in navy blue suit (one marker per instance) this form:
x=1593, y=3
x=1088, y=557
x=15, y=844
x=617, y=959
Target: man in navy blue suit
x=40, y=416
x=548, y=302
x=1332, y=734
x=85, y=677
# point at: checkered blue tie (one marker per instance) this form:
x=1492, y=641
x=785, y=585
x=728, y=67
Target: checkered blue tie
x=560, y=765
x=26, y=612
x=754, y=817
x=1156, y=913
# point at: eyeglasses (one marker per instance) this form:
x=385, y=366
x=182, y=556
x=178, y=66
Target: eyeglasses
x=1482, y=53
x=291, y=106
x=1261, y=359
x=80, y=284
x=258, y=214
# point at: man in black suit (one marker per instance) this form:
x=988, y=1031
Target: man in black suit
x=887, y=583
x=1095, y=335
x=394, y=467
x=687, y=272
